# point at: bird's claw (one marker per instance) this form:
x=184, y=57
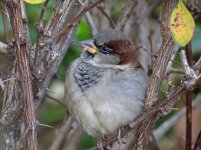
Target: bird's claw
x=100, y=145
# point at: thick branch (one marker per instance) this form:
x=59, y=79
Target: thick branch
x=189, y=95
x=20, y=32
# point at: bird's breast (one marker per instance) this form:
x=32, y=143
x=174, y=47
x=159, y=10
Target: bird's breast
x=102, y=100
x=87, y=76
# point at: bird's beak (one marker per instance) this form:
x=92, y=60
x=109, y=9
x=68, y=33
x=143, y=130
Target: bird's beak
x=89, y=46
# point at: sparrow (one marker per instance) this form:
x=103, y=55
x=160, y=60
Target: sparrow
x=106, y=87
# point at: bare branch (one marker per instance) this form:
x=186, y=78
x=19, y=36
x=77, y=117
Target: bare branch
x=51, y=53
x=52, y=50
x=189, y=72
x=174, y=70
x=91, y=23
x=198, y=65
x=56, y=100
x=126, y=14
x=61, y=134
x=198, y=142
x=107, y=16
x=73, y=139
x=4, y=16
x=189, y=96
x=159, y=132
x=74, y=23
x=20, y=31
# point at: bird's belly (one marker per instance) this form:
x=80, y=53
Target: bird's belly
x=114, y=107
x=87, y=117
x=99, y=116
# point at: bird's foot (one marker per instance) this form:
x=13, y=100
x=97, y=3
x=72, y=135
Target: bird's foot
x=100, y=143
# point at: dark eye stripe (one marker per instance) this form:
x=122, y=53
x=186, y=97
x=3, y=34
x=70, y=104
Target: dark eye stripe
x=105, y=50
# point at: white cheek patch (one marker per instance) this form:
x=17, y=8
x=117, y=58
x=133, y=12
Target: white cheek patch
x=105, y=66
x=106, y=59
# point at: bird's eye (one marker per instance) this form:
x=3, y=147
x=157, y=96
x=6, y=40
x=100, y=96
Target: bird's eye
x=105, y=50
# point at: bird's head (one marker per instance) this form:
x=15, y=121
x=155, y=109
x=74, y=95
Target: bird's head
x=109, y=47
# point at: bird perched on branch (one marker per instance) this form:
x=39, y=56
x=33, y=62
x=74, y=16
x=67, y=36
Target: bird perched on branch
x=105, y=87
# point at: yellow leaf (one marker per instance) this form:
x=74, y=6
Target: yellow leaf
x=181, y=24
x=34, y=1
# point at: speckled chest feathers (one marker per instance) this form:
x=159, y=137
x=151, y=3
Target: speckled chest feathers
x=86, y=75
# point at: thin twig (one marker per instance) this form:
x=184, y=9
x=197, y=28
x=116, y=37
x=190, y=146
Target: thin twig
x=160, y=131
x=91, y=23
x=198, y=65
x=189, y=72
x=107, y=16
x=174, y=70
x=61, y=134
x=4, y=16
x=74, y=23
x=56, y=100
x=146, y=50
x=40, y=29
x=126, y=14
x=73, y=139
x=198, y=142
x=43, y=10
x=151, y=51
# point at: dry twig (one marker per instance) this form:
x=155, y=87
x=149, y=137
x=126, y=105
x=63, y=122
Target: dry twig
x=189, y=102
x=74, y=23
x=107, y=16
x=159, y=132
x=126, y=14
x=91, y=23
x=61, y=134
x=198, y=143
x=16, y=91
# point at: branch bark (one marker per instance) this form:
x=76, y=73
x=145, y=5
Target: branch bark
x=61, y=134
x=189, y=102
x=18, y=22
x=18, y=94
x=159, y=132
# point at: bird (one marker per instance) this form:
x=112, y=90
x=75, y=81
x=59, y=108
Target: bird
x=106, y=85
